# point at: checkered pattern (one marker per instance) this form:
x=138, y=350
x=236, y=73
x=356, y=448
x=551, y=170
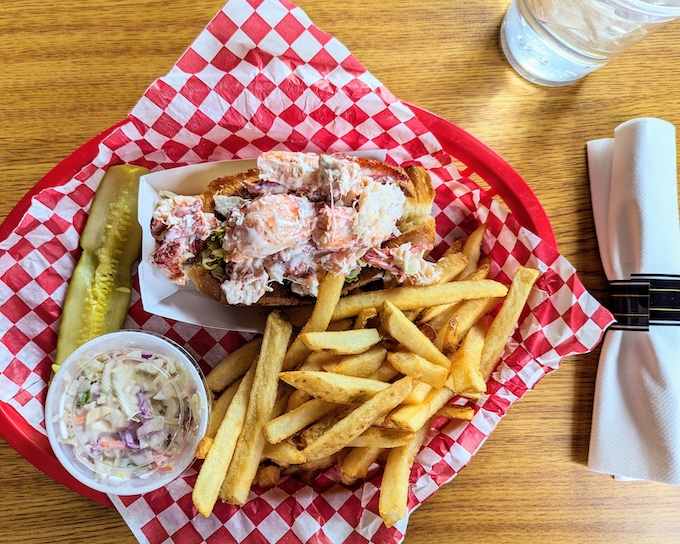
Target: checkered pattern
x=261, y=76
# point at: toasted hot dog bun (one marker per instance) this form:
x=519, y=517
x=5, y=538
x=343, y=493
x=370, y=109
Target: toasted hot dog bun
x=416, y=225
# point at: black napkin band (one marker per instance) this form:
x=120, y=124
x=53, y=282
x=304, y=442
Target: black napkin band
x=644, y=300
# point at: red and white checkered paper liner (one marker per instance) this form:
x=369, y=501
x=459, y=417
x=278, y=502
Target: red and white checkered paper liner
x=262, y=76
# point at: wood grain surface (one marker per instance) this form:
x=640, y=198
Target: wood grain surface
x=70, y=70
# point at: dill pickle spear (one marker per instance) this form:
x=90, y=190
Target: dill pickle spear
x=98, y=294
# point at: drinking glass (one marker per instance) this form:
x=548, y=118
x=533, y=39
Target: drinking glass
x=557, y=42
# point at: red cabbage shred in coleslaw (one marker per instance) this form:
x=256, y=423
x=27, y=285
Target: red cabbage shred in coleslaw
x=128, y=413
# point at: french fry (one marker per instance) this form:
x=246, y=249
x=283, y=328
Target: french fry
x=341, y=342
x=450, y=337
x=267, y=476
x=361, y=365
x=233, y=366
x=449, y=266
x=360, y=419
x=283, y=454
x=408, y=335
x=204, y=447
x=412, y=314
x=319, y=464
x=286, y=425
x=418, y=394
x=413, y=417
x=393, y=500
x=330, y=288
x=385, y=373
x=413, y=297
x=455, y=247
x=316, y=360
x=340, y=325
x=251, y=441
x=297, y=398
x=364, y=316
x=466, y=377
x=506, y=319
x=427, y=330
x=453, y=411
x=469, y=313
x=410, y=363
x=381, y=438
x=331, y=387
x=436, y=316
x=446, y=334
x=472, y=249
x=311, y=433
x=219, y=408
x=356, y=464
x=217, y=459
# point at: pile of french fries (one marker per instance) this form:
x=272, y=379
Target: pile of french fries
x=360, y=383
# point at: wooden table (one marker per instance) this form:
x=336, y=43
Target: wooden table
x=69, y=72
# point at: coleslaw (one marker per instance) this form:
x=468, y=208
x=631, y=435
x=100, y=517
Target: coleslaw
x=128, y=412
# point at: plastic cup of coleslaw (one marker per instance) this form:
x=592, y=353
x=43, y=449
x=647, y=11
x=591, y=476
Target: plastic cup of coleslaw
x=125, y=412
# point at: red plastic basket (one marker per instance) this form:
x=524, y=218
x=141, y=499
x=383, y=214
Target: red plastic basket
x=478, y=162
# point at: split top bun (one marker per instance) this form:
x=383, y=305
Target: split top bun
x=266, y=236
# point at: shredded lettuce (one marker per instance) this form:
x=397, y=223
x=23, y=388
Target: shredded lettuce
x=354, y=274
x=213, y=257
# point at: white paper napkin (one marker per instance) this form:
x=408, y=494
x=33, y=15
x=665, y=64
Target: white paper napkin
x=636, y=413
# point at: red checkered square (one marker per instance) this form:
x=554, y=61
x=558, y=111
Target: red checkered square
x=263, y=119
x=15, y=308
x=222, y=27
x=289, y=538
x=292, y=87
x=191, y=62
x=50, y=280
x=229, y=88
x=166, y=126
x=221, y=536
x=320, y=509
x=290, y=28
x=15, y=278
x=195, y=91
x=46, y=340
x=570, y=345
x=289, y=509
x=82, y=195
x=471, y=438
x=159, y=500
x=160, y=94
x=261, y=87
x=49, y=311
x=16, y=371
x=354, y=139
x=233, y=120
x=256, y=27
x=23, y=397
x=21, y=249
x=154, y=531
x=225, y=60
x=323, y=115
x=387, y=536
x=52, y=250
x=128, y=500
x=14, y=340
x=187, y=534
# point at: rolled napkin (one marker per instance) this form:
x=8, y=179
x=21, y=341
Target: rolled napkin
x=636, y=413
